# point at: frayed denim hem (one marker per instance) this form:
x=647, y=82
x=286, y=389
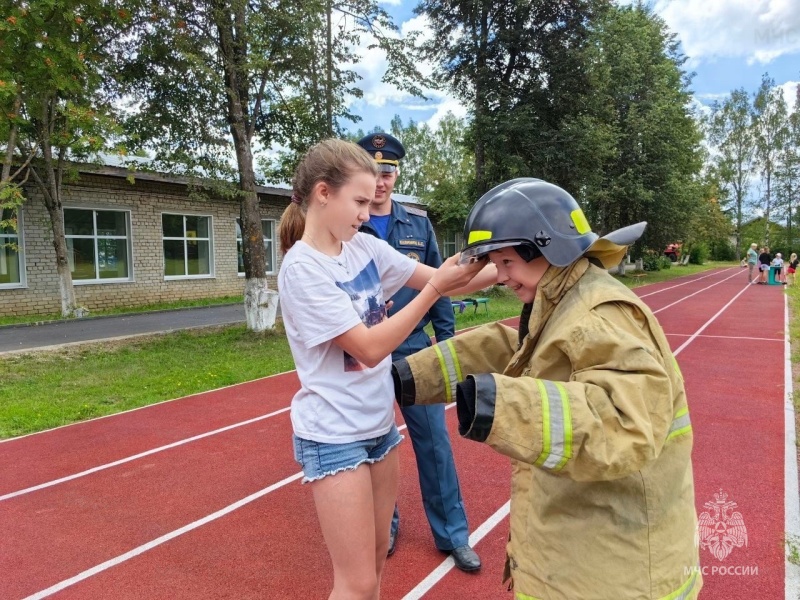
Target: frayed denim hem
x=368, y=461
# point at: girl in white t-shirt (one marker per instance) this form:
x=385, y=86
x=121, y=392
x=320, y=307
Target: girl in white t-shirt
x=334, y=283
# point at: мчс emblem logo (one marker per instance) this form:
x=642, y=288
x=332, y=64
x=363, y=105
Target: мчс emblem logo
x=379, y=141
x=721, y=529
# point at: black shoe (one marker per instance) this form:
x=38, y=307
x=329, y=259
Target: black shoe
x=466, y=558
x=392, y=541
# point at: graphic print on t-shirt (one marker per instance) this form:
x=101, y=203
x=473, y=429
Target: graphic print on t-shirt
x=366, y=294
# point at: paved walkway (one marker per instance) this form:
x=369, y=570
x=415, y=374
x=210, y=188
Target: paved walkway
x=15, y=338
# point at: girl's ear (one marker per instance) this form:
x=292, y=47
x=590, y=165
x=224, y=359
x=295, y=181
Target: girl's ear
x=321, y=191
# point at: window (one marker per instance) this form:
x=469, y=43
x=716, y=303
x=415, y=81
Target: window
x=187, y=245
x=268, y=229
x=451, y=243
x=98, y=244
x=12, y=270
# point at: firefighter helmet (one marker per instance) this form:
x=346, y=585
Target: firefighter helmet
x=542, y=216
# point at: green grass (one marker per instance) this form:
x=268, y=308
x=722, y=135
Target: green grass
x=46, y=389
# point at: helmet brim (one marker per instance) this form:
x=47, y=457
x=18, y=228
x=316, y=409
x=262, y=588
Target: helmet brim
x=477, y=252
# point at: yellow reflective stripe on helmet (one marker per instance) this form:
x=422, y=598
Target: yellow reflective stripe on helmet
x=581, y=224
x=680, y=424
x=556, y=426
x=478, y=236
x=451, y=368
x=686, y=590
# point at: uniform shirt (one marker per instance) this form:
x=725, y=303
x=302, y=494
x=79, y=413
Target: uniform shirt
x=410, y=232
x=340, y=399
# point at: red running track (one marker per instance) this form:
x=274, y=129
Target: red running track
x=200, y=497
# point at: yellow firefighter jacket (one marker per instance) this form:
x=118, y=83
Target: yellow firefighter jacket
x=591, y=409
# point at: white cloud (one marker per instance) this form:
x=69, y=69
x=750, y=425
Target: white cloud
x=379, y=95
x=757, y=30
x=789, y=90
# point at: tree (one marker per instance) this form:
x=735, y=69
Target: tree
x=517, y=66
x=54, y=58
x=787, y=184
x=636, y=148
x=770, y=130
x=730, y=131
x=214, y=80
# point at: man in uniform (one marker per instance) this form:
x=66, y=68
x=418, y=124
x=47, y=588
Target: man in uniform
x=409, y=231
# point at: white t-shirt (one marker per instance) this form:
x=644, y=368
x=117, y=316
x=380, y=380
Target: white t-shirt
x=340, y=399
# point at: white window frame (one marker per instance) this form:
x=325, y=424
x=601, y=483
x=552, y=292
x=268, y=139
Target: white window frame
x=240, y=240
x=128, y=240
x=20, y=242
x=210, y=239
x=450, y=237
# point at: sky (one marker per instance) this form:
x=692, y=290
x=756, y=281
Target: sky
x=729, y=44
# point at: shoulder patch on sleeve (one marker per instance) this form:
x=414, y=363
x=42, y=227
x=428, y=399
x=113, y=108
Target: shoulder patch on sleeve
x=416, y=211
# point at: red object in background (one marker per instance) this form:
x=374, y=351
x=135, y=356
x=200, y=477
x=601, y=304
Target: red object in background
x=673, y=251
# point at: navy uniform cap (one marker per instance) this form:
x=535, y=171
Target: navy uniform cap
x=386, y=149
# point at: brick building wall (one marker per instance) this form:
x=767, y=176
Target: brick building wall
x=145, y=200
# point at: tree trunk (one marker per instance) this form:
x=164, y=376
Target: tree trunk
x=259, y=304
x=50, y=186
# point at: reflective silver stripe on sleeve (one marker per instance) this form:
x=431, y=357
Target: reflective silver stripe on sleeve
x=451, y=369
x=681, y=424
x=556, y=425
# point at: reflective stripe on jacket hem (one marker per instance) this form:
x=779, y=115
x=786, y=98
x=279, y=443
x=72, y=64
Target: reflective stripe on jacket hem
x=680, y=425
x=682, y=593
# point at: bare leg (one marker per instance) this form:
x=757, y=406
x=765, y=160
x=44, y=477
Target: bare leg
x=385, y=475
x=355, y=511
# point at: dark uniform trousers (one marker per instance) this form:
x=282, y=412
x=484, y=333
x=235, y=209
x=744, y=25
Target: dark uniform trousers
x=409, y=231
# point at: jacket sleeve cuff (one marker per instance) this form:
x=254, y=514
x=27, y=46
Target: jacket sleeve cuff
x=485, y=396
x=405, y=390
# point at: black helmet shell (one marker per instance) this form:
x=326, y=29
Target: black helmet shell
x=533, y=212
x=529, y=211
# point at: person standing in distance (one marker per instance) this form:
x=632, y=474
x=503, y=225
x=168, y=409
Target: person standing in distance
x=409, y=231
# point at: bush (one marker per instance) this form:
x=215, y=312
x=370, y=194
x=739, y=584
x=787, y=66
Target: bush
x=722, y=250
x=698, y=254
x=664, y=263
x=651, y=260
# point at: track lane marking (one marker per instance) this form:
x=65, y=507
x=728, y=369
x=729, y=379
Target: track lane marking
x=697, y=292
x=448, y=564
x=672, y=287
x=791, y=501
x=174, y=534
x=133, y=457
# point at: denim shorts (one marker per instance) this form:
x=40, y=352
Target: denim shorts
x=319, y=459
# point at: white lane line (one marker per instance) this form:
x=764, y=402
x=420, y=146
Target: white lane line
x=160, y=540
x=727, y=337
x=709, y=322
x=447, y=565
x=672, y=287
x=174, y=534
x=791, y=500
x=128, y=459
x=695, y=293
